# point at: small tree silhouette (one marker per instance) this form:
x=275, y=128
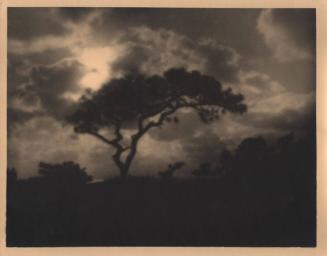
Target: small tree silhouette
x=171, y=169
x=66, y=172
x=251, y=150
x=149, y=102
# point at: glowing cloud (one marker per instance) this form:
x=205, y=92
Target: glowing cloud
x=97, y=62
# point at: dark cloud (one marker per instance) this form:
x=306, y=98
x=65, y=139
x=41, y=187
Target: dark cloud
x=20, y=65
x=75, y=14
x=46, y=88
x=154, y=51
x=289, y=33
x=288, y=120
x=50, y=83
x=289, y=38
x=300, y=25
x=45, y=57
x=28, y=96
x=300, y=120
x=30, y=23
x=222, y=61
x=17, y=73
x=131, y=62
x=221, y=24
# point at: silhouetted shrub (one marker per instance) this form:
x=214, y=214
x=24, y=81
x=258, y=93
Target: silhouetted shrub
x=63, y=173
x=171, y=169
x=251, y=148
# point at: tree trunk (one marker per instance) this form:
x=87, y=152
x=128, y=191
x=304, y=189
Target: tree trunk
x=129, y=159
x=123, y=172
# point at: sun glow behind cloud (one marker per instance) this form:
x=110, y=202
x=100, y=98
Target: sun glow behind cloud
x=97, y=65
x=97, y=62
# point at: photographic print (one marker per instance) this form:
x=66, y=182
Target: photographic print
x=161, y=127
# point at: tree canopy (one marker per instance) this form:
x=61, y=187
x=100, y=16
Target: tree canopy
x=149, y=101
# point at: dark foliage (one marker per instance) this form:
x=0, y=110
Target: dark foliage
x=265, y=197
x=171, y=169
x=138, y=99
x=64, y=173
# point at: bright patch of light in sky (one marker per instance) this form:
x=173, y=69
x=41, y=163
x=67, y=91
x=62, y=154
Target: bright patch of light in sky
x=97, y=62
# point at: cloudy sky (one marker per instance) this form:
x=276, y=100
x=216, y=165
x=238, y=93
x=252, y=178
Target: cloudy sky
x=55, y=54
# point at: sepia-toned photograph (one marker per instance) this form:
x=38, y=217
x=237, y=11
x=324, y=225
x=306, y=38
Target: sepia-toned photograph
x=161, y=127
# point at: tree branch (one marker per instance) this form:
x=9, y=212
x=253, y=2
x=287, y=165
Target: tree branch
x=99, y=136
x=160, y=120
x=119, y=136
x=114, y=143
x=166, y=110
